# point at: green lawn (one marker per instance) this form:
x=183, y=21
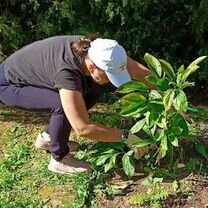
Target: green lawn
x=24, y=178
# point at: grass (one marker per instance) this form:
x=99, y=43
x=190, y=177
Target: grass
x=24, y=178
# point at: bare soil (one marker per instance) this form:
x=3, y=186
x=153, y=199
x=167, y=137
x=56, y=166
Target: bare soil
x=197, y=197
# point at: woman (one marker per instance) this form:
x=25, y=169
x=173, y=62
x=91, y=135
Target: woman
x=65, y=75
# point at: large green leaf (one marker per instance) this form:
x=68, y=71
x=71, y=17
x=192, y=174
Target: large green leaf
x=153, y=64
x=180, y=121
x=141, y=143
x=133, y=98
x=159, y=135
x=187, y=84
x=153, y=118
x=141, y=113
x=163, y=84
x=147, y=130
x=128, y=165
x=175, y=130
x=180, y=101
x=138, y=126
x=130, y=109
x=168, y=99
x=109, y=151
x=168, y=69
x=173, y=140
x=132, y=86
x=189, y=71
x=133, y=109
x=164, y=146
x=179, y=78
x=154, y=95
x=156, y=105
x=192, y=67
x=102, y=159
x=181, y=69
x=112, y=163
x=147, y=115
x=153, y=129
x=162, y=123
x=152, y=80
x=197, y=61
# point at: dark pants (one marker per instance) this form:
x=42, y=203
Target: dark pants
x=43, y=99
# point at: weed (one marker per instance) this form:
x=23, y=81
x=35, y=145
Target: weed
x=155, y=194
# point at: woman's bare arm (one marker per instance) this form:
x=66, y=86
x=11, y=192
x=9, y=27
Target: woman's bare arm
x=138, y=72
x=76, y=113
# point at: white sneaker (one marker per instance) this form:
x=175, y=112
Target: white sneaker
x=43, y=141
x=69, y=165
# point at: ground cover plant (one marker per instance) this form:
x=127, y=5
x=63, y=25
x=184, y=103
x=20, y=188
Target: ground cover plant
x=172, y=174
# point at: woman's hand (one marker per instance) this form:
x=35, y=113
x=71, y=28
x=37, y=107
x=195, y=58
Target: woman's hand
x=139, y=152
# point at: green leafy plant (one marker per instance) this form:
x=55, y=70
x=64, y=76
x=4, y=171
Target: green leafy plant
x=160, y=114
x=19, y=26
x=105, y=157
x=155, y=193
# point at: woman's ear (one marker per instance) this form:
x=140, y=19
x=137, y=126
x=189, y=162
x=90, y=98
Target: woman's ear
x=91, y=68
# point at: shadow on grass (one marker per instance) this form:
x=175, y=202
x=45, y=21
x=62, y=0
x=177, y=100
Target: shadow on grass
x=8, y=114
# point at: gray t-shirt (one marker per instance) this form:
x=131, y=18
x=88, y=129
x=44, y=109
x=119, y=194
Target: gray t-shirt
x=47, y=63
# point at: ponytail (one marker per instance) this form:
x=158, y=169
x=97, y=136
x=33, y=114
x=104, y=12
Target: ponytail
x=81, y=46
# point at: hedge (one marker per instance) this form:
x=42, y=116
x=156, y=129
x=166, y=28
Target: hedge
x=175, y=30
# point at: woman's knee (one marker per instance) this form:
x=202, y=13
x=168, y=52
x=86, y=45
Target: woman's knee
x=56, y=107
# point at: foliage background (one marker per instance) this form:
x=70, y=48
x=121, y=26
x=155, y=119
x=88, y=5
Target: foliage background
x=175, y=30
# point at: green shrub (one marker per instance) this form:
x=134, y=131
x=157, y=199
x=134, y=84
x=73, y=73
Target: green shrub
x=174, y=30
x=161, y=113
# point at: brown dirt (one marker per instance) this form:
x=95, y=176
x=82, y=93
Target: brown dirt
x=195, y=183
x=197, y=196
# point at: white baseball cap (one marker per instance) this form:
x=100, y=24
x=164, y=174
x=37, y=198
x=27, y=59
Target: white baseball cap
x=111, y=57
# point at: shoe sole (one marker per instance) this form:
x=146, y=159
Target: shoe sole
x=62, y=172
x=58, y=171
x=41, y=147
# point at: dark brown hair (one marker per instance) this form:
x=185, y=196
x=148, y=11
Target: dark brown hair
x=80, y=47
